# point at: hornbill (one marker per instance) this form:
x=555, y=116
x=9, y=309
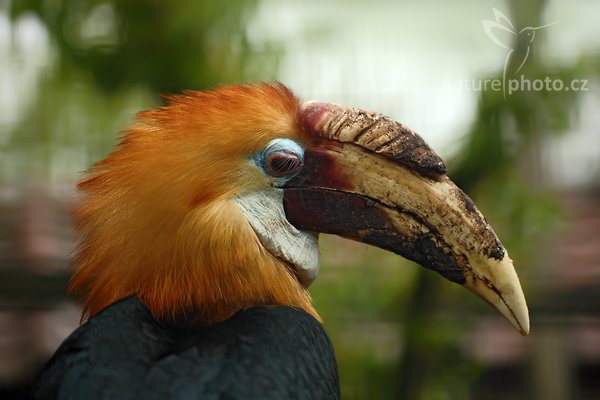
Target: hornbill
x=199, y=241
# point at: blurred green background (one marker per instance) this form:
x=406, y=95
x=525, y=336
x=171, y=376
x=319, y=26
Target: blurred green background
x=74, y=72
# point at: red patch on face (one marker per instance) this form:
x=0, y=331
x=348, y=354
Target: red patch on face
x=312, y=114
x=321, y=170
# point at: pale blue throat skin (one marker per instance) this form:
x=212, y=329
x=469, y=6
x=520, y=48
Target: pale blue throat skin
x=265, y=213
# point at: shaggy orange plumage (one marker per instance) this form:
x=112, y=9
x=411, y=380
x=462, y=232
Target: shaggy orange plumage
x=157, y=219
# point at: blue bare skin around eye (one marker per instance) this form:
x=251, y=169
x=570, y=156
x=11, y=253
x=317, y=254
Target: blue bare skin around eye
x=258, y=159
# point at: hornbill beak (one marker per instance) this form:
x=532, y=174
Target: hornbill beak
x=371, y=179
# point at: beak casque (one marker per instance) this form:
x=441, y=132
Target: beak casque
x=371, y=179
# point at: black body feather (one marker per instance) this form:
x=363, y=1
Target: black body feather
x=259, y=353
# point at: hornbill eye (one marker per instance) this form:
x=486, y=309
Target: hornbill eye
x=282, y=164
x=281, y=158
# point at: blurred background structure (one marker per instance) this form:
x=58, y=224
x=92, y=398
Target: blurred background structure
x=73, y=73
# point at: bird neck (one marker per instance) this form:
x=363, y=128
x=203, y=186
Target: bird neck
x=201, y=267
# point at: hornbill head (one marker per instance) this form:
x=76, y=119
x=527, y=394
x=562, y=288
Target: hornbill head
x=214, y=203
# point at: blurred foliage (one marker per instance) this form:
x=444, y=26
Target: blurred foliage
x=113, y=58
x=164, y=45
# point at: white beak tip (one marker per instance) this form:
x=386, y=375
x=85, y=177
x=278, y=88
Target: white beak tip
x=497, y=283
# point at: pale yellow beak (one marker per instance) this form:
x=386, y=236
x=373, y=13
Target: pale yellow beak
x=368, y=178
